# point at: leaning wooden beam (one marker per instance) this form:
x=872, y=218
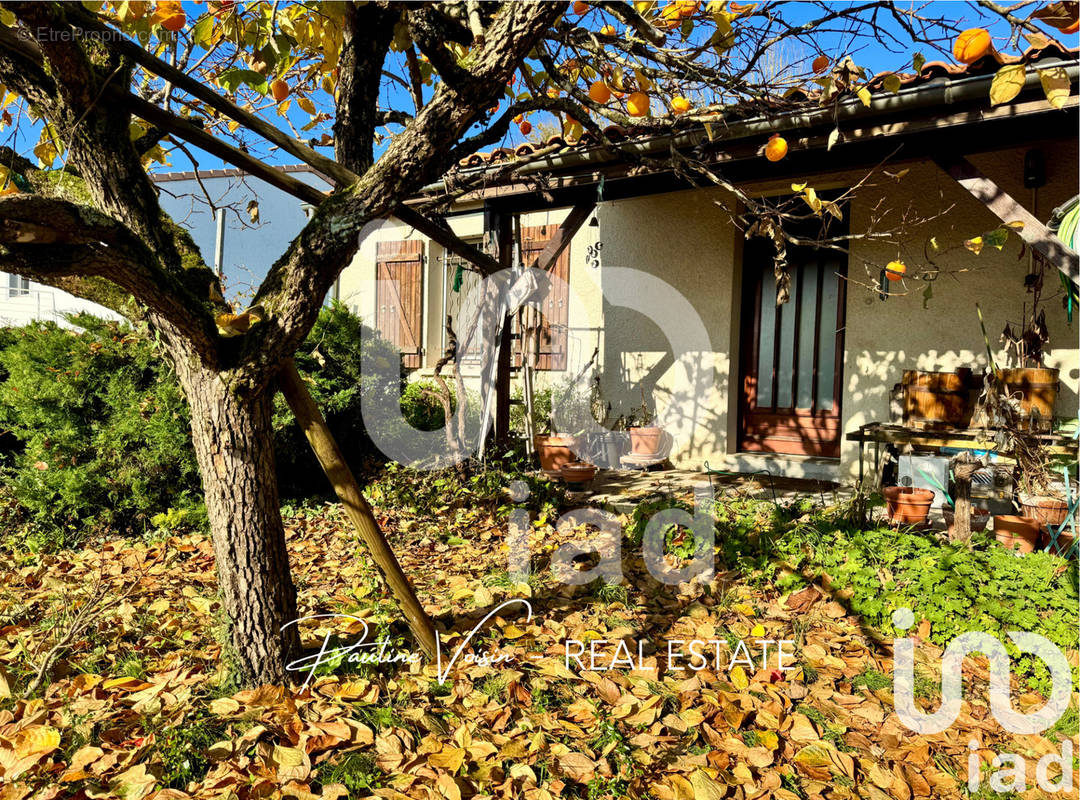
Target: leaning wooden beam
x=561, y=239
x=348, y=491
x=1007, y=209
x=448, y=239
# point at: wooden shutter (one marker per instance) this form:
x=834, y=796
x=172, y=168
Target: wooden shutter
x=554, y=316
x=399, y=274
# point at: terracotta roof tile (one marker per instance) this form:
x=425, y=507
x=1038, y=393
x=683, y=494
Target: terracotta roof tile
x=931, y=71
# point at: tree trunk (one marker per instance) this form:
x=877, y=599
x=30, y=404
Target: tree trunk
x=235, y=449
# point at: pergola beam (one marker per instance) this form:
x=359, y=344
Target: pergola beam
x=561, y=239
x=1005, y=208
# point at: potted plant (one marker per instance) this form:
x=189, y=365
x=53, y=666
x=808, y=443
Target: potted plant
x=1030, y=386
x=558, y=448
x=1017, y=533
x=645, y=438
x=908, y=505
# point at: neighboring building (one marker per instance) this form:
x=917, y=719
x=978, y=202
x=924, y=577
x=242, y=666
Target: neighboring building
x=786, y=384
x=249, y=248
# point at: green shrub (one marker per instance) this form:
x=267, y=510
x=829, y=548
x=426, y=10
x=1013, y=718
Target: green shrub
x=330, y=361
x=102, y=430
x=95, y=436
x=985, y=588
x=421, y=410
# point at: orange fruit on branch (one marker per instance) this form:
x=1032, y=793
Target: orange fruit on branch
x=599, y=92
x=971, y=45
x=776, y=148
x=895, y=270
x=607, y=30
x=279, y=90
x=581, y=7
x=525, y=127
x=680, y=105
x=637, y=104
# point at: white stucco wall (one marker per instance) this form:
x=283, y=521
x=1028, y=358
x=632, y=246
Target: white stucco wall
x=44, y=303
x=689, y=241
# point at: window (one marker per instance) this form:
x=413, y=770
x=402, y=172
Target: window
x=462, y=305
x=792, y=355
x=18, y=286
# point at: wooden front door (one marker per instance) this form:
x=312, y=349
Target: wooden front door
x=399, y=275
x=792, y=355
x=551, y=338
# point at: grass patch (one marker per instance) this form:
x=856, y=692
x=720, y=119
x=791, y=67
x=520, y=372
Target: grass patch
x=357, y=772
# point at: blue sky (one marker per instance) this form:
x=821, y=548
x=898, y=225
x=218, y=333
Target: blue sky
x=873, y=55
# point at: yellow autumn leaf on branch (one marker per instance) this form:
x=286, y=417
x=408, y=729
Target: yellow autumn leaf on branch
x=1007, y=83
x=1056, y=85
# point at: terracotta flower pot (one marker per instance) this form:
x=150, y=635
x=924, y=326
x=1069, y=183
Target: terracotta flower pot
x=1047, y=510
x=645, y=441
x=554, y=452
x=578, y=472
x=980, y=518
x=908, y=505
x=1017, y=533
x=1063, y=544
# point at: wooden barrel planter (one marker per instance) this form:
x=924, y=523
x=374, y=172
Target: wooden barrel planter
x=1047, y=510
x=1036, y=389
x=935, y=400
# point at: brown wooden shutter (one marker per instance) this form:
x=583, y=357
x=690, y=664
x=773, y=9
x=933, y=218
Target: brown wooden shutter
x=399, y=272
x=552, y=339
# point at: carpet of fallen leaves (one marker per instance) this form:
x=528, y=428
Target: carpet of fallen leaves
x=144, y=670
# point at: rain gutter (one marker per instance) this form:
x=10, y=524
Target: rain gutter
x=939, y=92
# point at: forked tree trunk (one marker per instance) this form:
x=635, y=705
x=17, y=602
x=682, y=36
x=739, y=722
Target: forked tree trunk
x=235, y=449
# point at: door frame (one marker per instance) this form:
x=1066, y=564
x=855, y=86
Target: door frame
x=787, y=424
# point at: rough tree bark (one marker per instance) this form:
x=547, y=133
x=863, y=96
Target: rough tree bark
x=128, y=255
x=234, y=446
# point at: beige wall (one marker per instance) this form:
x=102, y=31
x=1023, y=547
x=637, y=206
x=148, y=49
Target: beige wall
x=688, y=239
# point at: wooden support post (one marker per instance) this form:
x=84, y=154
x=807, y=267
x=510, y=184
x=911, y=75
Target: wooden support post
x=964, y=467
x=1007, y=209
x=348, y=491
x=505, y=243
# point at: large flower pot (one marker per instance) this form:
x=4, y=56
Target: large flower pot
x=1036, y=389
x=578, y=473
x=1063, y=544
x=908, y=505
x=1017, y=533
x=1047, y=510
x=555, y=452
x=646, y=441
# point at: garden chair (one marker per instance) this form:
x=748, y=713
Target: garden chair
x=1055, y=531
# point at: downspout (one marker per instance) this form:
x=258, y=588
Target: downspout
x=219, y=244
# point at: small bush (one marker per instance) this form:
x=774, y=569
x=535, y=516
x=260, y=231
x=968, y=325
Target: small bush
x=330, y=361
x=102, y=431
x=421, y=410
x=95, y=431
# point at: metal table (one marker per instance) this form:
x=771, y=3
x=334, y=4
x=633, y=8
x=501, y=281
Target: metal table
x=879, y=433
